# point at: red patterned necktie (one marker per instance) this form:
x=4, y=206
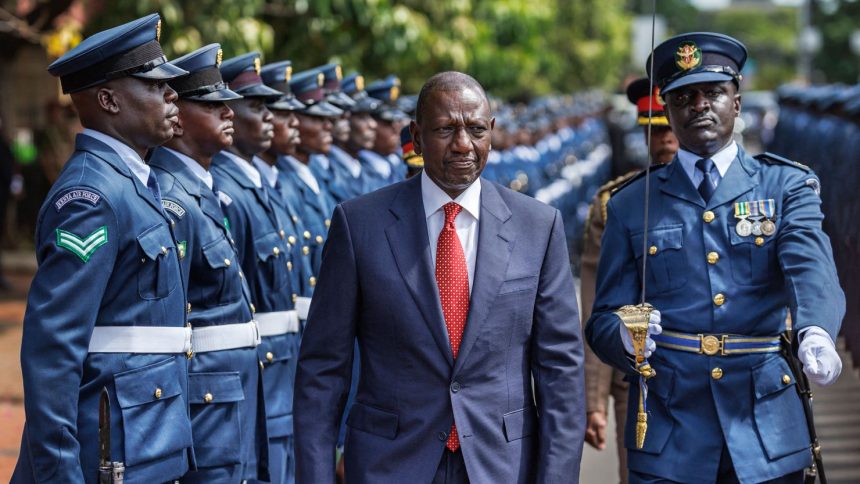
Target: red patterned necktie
x=452, y=277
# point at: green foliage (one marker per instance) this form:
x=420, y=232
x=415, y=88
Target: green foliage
x=835, y=62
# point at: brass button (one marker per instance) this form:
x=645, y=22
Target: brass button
x=652, y=250
x=312, y=281
x=307, y=235
x=786, y=379
x=270, y=356
x=708, y=216
x=289, y=265
x=295, y=218
x=327, y=223
x=207, y=398
x=292, y=240
x=163, y=249
x=253, y=309
x=717, y=373
x=172, y=223
x=719, y=299
x=227, y=262
x=282, y=234
x=319, y=239
x=157, y=393
x=759, y=241
x=295, y=298
x=261, y=364
x=188, y=308
x=713, y=257
x=276, y=251
x=306, y=250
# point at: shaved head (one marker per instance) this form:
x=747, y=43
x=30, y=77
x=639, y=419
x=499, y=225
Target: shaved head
x=447, y=81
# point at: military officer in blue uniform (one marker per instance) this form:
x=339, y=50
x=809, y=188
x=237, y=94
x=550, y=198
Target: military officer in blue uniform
x=106, y=308
x=262, y=246
x=228, y=419
x=362, y=135
x=733, y=243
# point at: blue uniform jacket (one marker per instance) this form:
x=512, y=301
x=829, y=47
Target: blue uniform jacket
x=106, y=258
x=316, y=212
x=351, y=186
x=264, y=255
x=229, y=430
x=752, y=407
x=330, y=175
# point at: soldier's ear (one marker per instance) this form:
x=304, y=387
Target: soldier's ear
x=107, y=100
x=416, y=137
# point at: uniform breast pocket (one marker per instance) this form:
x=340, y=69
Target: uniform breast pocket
x=215, y=418
x=753, y=258
x=272, y=260
x=665, y=257
x=151, y=402
x=224, y=285
x=159, y=269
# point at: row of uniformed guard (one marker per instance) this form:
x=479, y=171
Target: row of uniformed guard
x=178, y=286
x=820, y=127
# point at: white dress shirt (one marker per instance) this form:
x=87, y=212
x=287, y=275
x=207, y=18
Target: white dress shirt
x=128, y=155
x=195, y=167
x=466, y=222
x=247, y=168
x=722, y=159
x=305, y=174
x=269, y=172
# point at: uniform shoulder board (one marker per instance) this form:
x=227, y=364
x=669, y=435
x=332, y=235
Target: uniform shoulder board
x=635, y=177
x=772, y=159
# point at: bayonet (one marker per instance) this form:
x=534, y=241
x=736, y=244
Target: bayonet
x=109, y=472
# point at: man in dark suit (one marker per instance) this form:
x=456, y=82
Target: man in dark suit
x=461, y=297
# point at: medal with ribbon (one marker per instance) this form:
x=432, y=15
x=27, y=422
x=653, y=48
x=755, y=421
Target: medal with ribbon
x=744, y=226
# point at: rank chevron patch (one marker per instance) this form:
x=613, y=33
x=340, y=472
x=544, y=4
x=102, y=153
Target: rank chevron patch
x=83, y=247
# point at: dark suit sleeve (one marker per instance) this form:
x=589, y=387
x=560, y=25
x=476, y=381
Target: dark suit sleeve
x=556, y=363
x=325, y=359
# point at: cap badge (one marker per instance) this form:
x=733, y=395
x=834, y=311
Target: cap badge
x=158, y=31
x=688, y=55
x=359, y=83
x=395, y=93
x=320, y=79
x=338, y=73
x=288, y=73
x=257, y=65
x=218, y=57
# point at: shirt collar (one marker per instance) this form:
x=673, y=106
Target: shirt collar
x=435, y=198
x=192, y=165
x=246, y=168
x=126, y=154
x=304, y=174
x=722, y=159
x=269, y=172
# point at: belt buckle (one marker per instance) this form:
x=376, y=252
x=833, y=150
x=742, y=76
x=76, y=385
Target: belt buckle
x=711, y=345
x=190, y=353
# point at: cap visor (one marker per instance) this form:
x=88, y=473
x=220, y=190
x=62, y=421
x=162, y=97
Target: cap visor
x=164, y=71
x=696, y=79
x=219, y=95
x=259, y=90
x=286, y=103
x=341, y=99
x=323, y=109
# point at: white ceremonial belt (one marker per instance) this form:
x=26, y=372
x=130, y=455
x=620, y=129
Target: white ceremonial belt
x=140, y=339
x=225, y=337
x=303, y=305
x=278, y=322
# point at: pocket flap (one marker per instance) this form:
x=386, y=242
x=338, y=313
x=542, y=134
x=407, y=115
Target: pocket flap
x=218, y=254
x=268, y=246
x=770, y=377
x=158, y=381
x=519, y=284
x=222, y=387
x=281, y=351
x=373, y=421
x=155, y=240
x=663, y=238
x=520, y=423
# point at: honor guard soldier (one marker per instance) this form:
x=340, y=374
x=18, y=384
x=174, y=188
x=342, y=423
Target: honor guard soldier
x=315, y=125
x=384, y=158
x=362, y=134
x=733, y=243
x=106, y=308
x=601, y=380
x=286, y=138
x=262, y=245
x=228, y=420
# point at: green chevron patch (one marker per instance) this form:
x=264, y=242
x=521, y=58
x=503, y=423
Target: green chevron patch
x=82, y=247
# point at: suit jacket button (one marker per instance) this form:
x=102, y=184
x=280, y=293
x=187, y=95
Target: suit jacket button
x=455, y=387
x=442, y=436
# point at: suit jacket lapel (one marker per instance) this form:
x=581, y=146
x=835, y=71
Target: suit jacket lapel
x=410, y=245
x=494, y=252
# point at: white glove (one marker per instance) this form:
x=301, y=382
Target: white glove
x=821, y=362
x=653, y=328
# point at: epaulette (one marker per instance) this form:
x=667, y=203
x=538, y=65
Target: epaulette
x=637, y=176
x=771, y=159
x=605, y=192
